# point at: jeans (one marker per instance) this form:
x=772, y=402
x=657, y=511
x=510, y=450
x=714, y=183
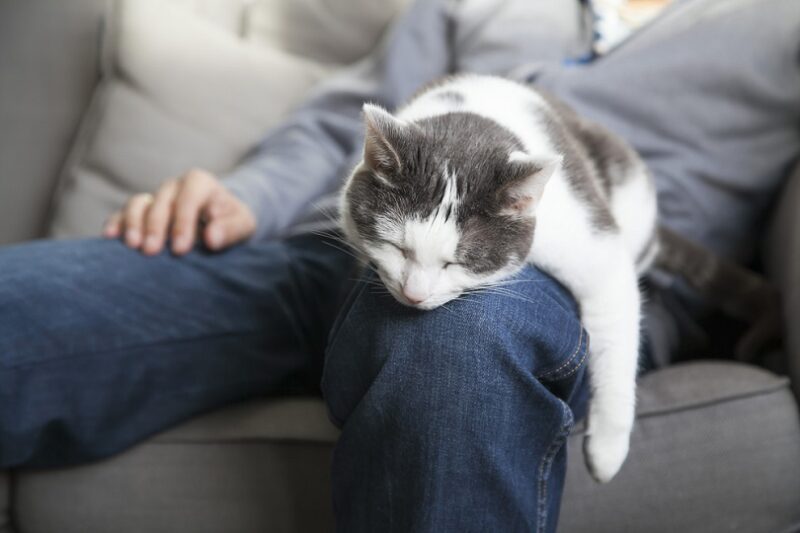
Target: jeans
x=452, y=419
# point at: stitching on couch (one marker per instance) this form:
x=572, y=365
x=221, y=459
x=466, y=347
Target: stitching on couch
x=547, y=462
x=702, y=405
x=716, y=401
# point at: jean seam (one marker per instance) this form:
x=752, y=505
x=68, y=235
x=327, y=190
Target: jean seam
x=572, y=370
x=333, y=342
x=337, y=327
x=556, y=373
x=546, y=463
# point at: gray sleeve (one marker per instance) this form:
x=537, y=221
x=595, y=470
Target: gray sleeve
x=305, y=157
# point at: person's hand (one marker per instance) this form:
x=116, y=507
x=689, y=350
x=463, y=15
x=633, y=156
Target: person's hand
x=176, y=210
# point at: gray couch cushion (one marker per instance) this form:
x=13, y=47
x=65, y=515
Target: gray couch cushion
x=260, y=466
x=714, y=443
x=716, y=448
x=198, y=487
x=282, y=419
x=5, y=502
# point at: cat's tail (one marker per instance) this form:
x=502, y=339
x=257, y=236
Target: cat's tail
x=736, y=291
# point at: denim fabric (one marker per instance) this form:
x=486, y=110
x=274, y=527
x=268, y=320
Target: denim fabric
x=101, y=346
x=454, y=419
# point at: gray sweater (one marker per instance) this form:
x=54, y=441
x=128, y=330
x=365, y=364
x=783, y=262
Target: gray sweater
x=709, y=94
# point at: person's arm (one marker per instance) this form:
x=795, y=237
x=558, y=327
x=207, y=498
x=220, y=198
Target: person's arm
x=299, y=161
x=304, y=158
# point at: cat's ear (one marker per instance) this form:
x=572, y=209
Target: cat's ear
x=529, y=175
x=386, y=138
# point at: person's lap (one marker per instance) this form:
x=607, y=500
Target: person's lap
x=101, y=346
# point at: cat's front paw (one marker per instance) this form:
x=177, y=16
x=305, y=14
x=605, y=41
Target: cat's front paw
x=605, y=451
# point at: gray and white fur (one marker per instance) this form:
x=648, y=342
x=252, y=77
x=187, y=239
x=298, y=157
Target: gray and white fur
x=477, y=176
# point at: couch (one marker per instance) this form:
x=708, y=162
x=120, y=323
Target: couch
x=86, y=117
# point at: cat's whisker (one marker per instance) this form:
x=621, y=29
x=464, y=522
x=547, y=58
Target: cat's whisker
x=331, y=213
x=500, y=292
x=504, y=283
x=465, y=297
x=446, y=308
x=354, y=254
x=511, y=294
x=372, y=283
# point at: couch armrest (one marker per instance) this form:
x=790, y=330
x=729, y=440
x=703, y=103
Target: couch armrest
x=782, y=265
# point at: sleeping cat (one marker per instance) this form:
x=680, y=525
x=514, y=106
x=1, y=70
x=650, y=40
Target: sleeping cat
x=478, y=176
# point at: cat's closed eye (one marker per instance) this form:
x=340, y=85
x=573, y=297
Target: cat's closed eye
x=399, y=248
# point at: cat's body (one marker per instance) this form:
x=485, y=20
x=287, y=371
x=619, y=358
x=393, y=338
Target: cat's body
x=477, y=176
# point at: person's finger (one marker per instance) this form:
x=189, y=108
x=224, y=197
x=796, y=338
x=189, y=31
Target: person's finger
x=113, y=226
x=218, y=205
x=195, y=189
x=133, y=218
x=229, y=221
x=158, y=217
x=227, y=230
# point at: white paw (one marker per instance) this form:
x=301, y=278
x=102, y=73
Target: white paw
x=605, y=451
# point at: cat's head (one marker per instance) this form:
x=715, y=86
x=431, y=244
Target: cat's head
x=442, y=205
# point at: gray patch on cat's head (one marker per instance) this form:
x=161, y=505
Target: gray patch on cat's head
x=473, y=149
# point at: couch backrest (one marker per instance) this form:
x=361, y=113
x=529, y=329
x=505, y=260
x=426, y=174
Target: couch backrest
x=782, y=265
x=48, y=69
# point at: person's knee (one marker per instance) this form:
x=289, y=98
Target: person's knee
x=472, y=354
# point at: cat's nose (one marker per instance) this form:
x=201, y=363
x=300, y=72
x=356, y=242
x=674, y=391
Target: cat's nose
x=413, y=298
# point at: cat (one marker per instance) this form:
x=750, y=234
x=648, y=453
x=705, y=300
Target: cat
x=478, y=176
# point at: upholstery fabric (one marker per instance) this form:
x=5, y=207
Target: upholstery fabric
x=264, y=466
x=736, y=424
x=326, y=31
x=181, y=88
x=207, y=487
x=48, y=69
x=282, y=419
x=782, y=262
x=5, y=503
